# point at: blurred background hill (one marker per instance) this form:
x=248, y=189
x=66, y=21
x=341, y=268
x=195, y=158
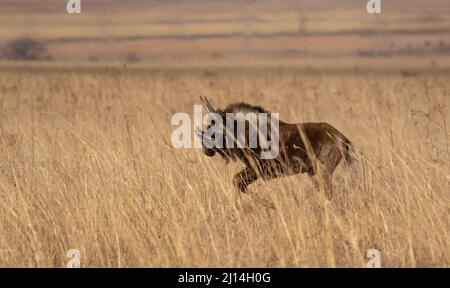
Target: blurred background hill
x=327, y=33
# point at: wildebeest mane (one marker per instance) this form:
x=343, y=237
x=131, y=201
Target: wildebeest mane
x=244, y=108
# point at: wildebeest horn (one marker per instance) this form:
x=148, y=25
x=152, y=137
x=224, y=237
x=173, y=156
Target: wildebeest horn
x=207, y=105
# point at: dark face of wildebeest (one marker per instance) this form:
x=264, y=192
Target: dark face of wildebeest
x=208, y=150
x=303, y=147
x=240, y=129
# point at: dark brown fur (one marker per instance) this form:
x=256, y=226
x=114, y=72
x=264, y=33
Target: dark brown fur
x=304, y=148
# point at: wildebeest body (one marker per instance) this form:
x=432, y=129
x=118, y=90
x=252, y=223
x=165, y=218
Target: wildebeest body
x=304, y=148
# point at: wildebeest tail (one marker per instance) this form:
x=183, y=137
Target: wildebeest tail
x=351, y=157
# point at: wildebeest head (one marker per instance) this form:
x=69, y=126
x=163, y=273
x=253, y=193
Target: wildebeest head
x=220, y=133
x=209, y=141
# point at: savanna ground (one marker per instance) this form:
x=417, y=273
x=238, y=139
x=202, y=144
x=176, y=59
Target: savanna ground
x=86, y=163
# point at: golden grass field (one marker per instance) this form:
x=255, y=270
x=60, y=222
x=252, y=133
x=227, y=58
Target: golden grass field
x=86, y=163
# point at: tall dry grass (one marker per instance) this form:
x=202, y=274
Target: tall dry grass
x=86, y=163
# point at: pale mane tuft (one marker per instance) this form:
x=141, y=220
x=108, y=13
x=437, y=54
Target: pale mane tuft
x=244, y=108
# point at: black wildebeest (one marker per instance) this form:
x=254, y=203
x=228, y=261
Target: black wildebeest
x=303, y=148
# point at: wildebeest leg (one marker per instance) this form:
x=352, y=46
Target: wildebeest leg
x=327, y=178
x=323, y=180
x=329, y=157
x=244, y=178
